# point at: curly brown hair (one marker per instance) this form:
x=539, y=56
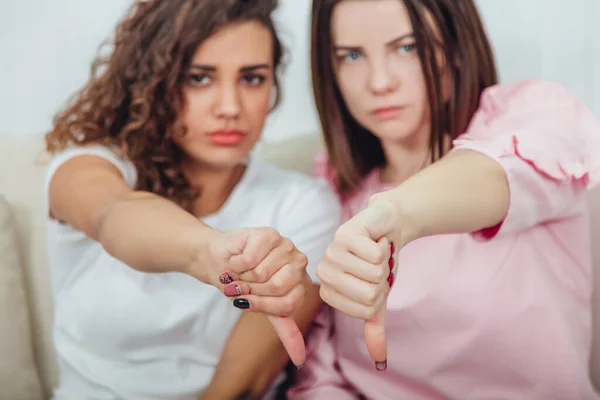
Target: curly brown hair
x=134, y=97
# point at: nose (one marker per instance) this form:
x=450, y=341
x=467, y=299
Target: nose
x=228, y=104
x=382, y=80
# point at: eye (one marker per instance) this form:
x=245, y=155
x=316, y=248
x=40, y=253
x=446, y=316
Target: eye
x=199, y=79
x=407, y=48
x=352, y=56
x=253, y=79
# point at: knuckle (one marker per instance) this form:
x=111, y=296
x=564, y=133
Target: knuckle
x=371, y=297
x=278, y=287
x=272, y=235
x=322, y=272
x=330, y=254
x=381, y=274
x=250, y=259
x=380, y=257
x=287, y=245
x=302, y=260
x=340, y=236
x=370, y=313
x=258, y=275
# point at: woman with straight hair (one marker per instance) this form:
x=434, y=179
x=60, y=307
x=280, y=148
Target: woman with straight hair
x=463, y=268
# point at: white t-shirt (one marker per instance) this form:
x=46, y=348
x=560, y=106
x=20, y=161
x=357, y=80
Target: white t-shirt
x=124, y=334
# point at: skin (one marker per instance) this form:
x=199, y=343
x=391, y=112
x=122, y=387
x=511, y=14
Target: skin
x=463, y=192
x=229, y=86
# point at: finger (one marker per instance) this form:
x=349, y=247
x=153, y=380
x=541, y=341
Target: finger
x=352, y=264
x=376, y=340
x=282, y=306
x=341, y=259
x=291, y=338
x=359, y=244
x=277, y=257
x=352, y=287
x=281, y=283
x=343, y=304
x=259, y=243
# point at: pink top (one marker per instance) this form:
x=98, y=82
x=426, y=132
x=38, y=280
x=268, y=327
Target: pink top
x=475, y=318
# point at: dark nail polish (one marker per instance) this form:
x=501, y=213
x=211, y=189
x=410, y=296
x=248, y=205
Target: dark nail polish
x=392, y=248
x=381, y=365
x=241, y=303
x=225, y=278
x=391, y=263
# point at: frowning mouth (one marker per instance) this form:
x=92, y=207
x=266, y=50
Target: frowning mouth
x=229, y=137
x=388, y=112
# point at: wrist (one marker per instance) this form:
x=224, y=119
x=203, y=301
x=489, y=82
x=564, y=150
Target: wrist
x=403, y=222
x=197, y=246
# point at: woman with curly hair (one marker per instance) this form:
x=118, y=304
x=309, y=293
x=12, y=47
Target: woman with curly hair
x=159, y=217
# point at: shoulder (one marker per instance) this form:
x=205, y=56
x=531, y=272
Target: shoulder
x=530, y=97
x=108, y=153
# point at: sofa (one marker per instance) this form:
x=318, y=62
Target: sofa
x=27, y=363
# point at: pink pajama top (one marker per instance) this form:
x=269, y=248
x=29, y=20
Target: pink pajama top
x=504, y=313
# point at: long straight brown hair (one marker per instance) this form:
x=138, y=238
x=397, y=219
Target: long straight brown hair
x=353, y=150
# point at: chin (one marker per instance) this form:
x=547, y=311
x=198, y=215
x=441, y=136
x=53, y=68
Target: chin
x=223, y=159
x=394, y=131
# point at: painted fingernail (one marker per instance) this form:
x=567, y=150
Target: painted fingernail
x=225, y=278
x=391, y=263
x=241, y=303
x=390, y=279
x=381, y=365
x=392, y=248
x=232, y=290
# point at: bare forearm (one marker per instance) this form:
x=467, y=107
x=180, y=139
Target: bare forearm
x=464, y=192
x=249, y=366
x=151, y=234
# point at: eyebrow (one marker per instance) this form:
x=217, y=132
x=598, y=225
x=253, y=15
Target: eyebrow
x=245, y=68
x=391, y=42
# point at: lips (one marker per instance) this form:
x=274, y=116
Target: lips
x=387, y=112
x=224, y=137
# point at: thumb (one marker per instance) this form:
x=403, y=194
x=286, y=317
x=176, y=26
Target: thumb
x=291, y=337
x=374, y=220
x=375, y=338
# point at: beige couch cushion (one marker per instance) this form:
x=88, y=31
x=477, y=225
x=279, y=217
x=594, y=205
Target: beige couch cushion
x=19, y=377
x=21, y=181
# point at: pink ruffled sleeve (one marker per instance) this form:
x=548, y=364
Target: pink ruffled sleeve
x=548, y=143
x=320, y=377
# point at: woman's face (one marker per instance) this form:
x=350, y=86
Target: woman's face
x=378, y=70
x=227, y=95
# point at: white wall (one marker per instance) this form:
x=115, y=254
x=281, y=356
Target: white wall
x=46, y=47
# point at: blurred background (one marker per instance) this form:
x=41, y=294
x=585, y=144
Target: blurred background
x=46, y=47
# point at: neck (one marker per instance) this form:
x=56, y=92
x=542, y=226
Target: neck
x=406, y=158
x=216, y=185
